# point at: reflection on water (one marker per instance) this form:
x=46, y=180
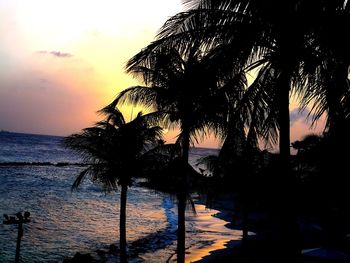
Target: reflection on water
x=64, y=222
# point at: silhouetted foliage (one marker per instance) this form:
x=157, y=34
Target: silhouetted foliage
x=114, y=151
x=292, y=47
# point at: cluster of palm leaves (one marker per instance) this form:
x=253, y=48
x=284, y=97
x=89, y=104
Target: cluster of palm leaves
x=194, y=76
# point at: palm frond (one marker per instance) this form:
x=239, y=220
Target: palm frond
x=79, y=179
x=138, y=95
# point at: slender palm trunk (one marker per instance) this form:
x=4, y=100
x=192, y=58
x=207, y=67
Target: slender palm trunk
x=283, y=119
x=248, y=154
x=182, y=196
x=122, y=223
x=181, y=229
x=287, y=205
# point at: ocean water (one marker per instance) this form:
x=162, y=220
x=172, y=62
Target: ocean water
x=65, y=222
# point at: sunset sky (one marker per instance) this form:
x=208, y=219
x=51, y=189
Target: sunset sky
x=61, y=61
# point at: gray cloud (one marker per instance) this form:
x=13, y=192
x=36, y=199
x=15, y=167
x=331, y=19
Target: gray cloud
x=298, y=114
x=58, y=54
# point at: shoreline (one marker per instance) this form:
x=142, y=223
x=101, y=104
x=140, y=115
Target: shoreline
x=212, y=233
x=224, y=204
x=231, y=251
x=223, y=255
x=215, y=232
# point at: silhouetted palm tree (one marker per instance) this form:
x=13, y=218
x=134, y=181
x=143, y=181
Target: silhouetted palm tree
x=184, y=89
x=241, y=108
x=114, y=151
x=248, y=34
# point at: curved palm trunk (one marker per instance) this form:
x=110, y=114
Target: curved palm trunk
x=122, y=223
x=182, y=194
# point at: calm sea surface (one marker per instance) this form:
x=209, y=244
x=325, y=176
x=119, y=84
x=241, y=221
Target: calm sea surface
x=65, y=222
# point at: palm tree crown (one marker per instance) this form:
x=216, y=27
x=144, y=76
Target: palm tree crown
x=113, y=148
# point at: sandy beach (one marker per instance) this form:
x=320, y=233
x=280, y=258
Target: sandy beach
x=210, y=234
x=223, y=252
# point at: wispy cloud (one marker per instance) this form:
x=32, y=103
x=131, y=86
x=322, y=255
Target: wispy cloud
x=298, y=114
x=58, y=54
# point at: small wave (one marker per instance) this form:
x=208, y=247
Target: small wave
x=171, y=217
x=160, y=239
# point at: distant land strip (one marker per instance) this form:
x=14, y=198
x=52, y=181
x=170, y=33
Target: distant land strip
x=41, y=164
